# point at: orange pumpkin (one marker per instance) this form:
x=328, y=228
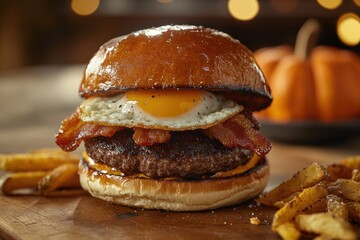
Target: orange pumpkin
x=337, y=81
x=321, y=85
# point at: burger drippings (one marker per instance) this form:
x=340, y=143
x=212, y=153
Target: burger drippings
x=109, y=171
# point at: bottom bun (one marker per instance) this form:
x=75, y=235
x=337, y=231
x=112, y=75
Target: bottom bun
x=174, y=195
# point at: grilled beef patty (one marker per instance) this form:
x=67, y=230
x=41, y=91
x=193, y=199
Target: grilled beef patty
x=188, y=155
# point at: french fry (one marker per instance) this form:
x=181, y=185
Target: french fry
x=47, y=151
x=36, y=161
x=324, y=208
x=318, y=206
x=282, y=202
x=354, y=210
x=46, y=169
x=336, y=207
x=352, y=162
x=337, y=171
x=305, y=178
x=288, y=231
x=64, y=175
x=72, y=182
x=306, y=198
x=20, y=180
x=326, y=224
x=345, y=188
x=355, y=175
x=322, y=237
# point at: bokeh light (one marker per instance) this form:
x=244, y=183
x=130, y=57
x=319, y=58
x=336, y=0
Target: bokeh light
x=357, y=2
x=243, y=9
x=329, y=4
x=348, y=29
x=84, y=7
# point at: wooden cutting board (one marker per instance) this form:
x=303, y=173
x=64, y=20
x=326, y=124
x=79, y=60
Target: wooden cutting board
x=84, y=217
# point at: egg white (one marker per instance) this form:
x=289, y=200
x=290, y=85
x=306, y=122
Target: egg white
x=119, y=111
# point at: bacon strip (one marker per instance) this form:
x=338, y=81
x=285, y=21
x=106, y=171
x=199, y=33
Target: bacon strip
x=148, y=137
x=73, y=130
x=240, y=131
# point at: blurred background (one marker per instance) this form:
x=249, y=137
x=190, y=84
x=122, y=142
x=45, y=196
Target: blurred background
x=45, y=44
x=42, y=32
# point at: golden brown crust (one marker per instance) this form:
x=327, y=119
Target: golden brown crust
x=174, y=195
x=177, y=57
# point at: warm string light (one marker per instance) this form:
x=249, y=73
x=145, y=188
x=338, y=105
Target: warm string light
x=329, y=4
x=348, y=29
x=84, y=7
x=243, y=9
x=348, y=25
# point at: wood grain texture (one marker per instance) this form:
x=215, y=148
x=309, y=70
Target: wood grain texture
x=84, y=217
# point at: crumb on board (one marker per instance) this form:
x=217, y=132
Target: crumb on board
x=255, y=220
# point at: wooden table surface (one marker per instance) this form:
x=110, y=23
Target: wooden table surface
x=32, y=104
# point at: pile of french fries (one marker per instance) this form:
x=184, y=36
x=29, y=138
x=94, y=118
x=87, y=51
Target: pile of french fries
x=318, y=200
x=42, y=171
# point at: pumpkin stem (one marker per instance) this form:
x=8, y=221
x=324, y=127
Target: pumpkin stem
x=306, y=38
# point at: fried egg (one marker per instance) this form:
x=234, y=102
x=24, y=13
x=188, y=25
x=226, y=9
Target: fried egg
x=160, y=109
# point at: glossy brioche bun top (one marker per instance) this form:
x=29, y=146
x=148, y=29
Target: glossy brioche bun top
x=177, y=56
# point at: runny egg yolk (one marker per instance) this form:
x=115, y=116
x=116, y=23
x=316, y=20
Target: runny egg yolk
x=165, y=103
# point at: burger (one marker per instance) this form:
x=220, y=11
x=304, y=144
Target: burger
x=167, y=121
